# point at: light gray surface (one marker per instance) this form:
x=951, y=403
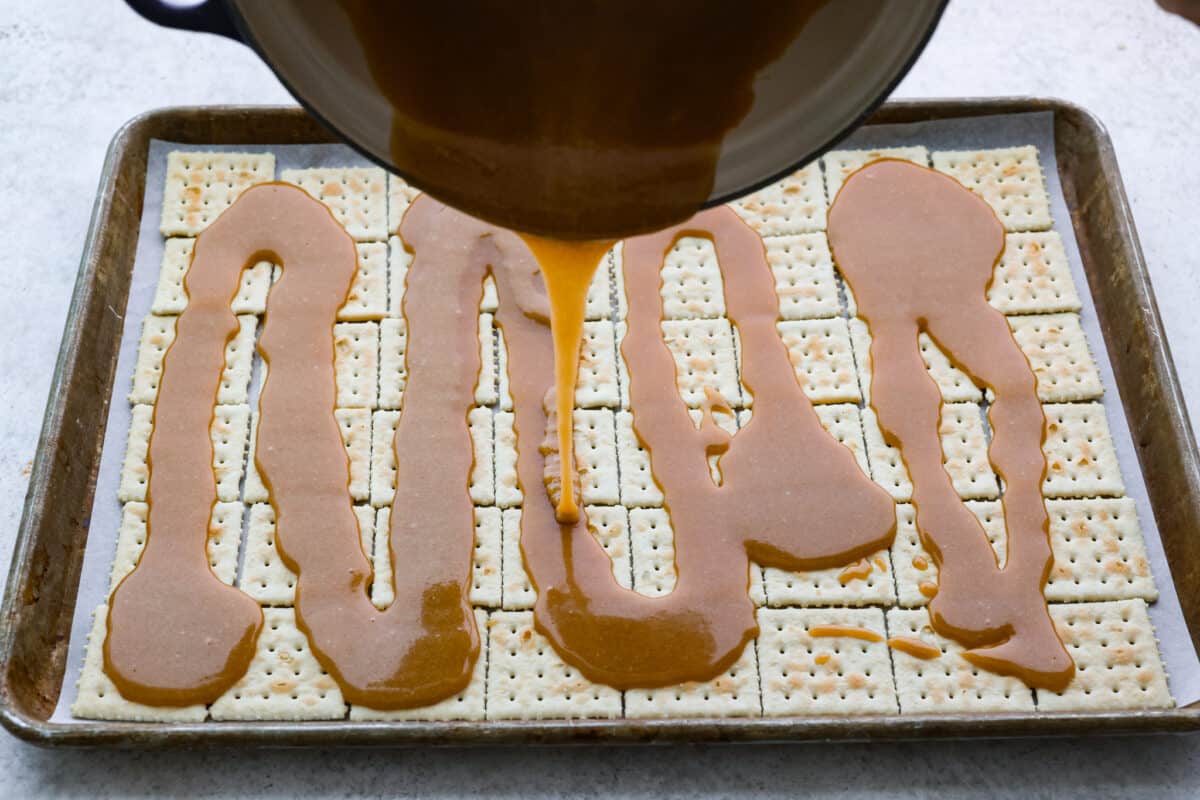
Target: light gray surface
x=72, y=72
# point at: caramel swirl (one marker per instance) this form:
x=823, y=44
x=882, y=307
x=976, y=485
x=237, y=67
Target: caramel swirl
x=176, y=634
x=919, y=250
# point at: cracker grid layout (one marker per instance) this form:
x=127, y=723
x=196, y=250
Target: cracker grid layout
x=1101, y=571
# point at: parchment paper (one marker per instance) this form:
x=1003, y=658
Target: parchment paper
x=970, y=133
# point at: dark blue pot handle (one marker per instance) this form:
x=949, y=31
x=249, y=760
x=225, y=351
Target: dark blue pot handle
x=210, y=16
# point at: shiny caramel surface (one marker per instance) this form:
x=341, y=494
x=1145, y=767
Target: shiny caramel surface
x=919, y=250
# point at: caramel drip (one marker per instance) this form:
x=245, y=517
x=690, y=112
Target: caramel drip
x=791, y=496
x=920, y=562
x=918, y=250
x=592, y=124
x=858, y=571
x=928, y=588
x=821, y=658
x=914, y=647
x=567, y=270
x=848, y=631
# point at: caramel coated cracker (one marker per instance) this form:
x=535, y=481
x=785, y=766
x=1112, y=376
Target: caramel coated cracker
x=466, y=705
x=1009, y=179
x=608, y=525
x=224, y=538
x=229, y=434
x=199, y=186
x=839, y=164
x=914, y=566
x=158, y=333
x=948, y=683
x=264, y=575
x=97, y=697
x=284, y=680
x=964, y=447
x=733, y=693
x=357, y=197
x=383, y=456
x=955, y=385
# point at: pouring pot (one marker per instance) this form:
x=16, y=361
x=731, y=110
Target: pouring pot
x=850, y=56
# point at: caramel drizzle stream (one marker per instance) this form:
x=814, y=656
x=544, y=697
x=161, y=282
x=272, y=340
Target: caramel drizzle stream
x=919, y=250
x=791, y=496
x=567, y=270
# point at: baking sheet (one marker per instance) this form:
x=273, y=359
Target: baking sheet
x=968, y=134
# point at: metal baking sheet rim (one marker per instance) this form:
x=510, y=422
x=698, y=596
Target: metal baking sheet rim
x=275, y=125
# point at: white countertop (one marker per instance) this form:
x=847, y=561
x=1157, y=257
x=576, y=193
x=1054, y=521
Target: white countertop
x=72, y=72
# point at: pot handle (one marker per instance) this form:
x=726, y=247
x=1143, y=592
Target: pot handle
x=209, y=16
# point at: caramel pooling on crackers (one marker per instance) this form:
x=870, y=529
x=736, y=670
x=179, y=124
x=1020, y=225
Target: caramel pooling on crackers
x=919, y=250
x=791, y=496
x=176, y=634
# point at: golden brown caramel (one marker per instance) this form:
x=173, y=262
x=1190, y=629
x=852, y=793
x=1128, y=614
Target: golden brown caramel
x=567, y=270
x=915, y=647
x=849, y=631
x=780, y=471
x=791, y=496
x=171, y=620
x=919, y=250
x=858, y=571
